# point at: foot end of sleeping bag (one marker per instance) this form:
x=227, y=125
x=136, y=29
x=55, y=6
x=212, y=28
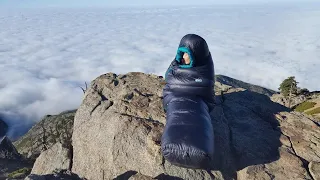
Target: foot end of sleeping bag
x=186, y=156
x=188, y=137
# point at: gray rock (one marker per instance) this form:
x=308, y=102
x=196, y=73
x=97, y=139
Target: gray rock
x=240, y=84
x=57, y=175
x=289, y=166
x=139, y=176
x=314, y=168
x=57, y=157
x=124, y=115
x=118, y=128
x=117, y=134
x=43, y=135
x=7, y=150
x=303, y=134
x=295, y=100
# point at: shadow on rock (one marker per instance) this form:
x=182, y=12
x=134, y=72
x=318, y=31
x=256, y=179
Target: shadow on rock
x=58, y=175
x=126, y=175
x=167, y=177
x=246, y=131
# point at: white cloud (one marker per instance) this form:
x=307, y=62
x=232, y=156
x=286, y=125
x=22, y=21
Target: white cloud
x=46, y=54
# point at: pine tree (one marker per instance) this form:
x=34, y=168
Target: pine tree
x=289, y=86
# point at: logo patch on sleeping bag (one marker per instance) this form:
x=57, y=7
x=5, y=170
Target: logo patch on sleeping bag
x=198, y=80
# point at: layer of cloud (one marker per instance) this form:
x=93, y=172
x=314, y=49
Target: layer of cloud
x=45, y=55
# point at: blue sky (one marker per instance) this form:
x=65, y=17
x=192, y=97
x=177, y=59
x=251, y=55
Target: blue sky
x=120, y=3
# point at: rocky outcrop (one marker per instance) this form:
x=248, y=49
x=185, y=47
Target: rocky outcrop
x=139, y=176
x=118, y=128
x=315, y=170
x=120, y=120
x=234, y=83
x=3, y=128
x=303, y=135
x=57, y=175
x=296, y=100
x=117, y=135
x=7, y=150
x=57, y=157
x=308, y=104
x=42, y=136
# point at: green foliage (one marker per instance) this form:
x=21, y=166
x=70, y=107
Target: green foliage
x=288, y=84
x=304, y=91
x=314, y=111
x=304, y=106
x=20, y=172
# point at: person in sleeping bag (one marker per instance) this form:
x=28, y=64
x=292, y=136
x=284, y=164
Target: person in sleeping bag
x=188, y=98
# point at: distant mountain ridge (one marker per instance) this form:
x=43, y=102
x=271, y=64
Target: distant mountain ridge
x=240, y=84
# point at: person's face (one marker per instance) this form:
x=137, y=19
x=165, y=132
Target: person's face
x=186, y=58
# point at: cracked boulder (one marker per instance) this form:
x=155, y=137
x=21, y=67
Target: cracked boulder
x=118, y=128
x=57, y=157
x=304, y=135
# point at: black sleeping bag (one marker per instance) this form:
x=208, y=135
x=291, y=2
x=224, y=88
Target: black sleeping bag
x=188, y=139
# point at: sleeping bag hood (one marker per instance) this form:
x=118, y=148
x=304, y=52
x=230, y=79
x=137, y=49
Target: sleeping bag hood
x=197, y=49
x=194, y=79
